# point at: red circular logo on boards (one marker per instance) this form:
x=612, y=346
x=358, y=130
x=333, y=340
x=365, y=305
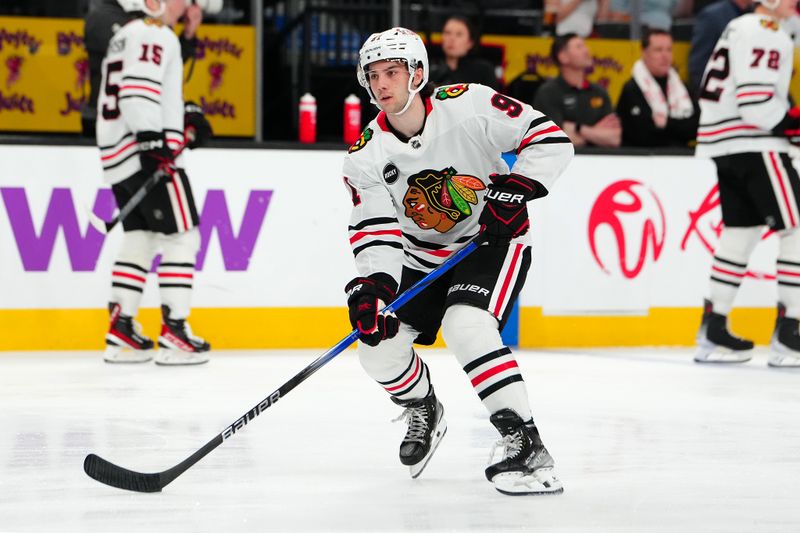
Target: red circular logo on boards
x=633, y=214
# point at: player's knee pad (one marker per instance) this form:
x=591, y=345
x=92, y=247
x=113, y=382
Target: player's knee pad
x=181, y=247
x=736, y=244
x=390, y=357
x=470, y=331
x=138, y=247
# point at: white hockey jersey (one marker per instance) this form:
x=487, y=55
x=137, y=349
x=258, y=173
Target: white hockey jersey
x=416, y=202
x=141, y=90
x=745, y=89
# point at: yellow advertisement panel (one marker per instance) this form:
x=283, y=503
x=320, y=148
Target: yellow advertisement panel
x=44, y=76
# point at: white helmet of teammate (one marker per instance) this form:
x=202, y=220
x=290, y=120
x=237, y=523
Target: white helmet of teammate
x=141, y=5
x=396, y=43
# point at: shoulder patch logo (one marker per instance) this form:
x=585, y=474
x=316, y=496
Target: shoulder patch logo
x=439, y=199
x=451, y=91
x=362, y=141
x=770, y=24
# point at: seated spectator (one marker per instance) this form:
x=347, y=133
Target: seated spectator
x=577, y=16
x=581, y=108
x=655, y=107
x=708, y=26
x=460, y=64
x=525, y=86
x=655, y=14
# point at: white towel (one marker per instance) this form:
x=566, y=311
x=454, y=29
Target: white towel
x=679, y=104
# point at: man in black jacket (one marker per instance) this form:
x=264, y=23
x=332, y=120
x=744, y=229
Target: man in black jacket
x=655, y=107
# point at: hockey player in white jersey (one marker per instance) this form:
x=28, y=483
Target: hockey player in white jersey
x=747, y=125
x=425, y=177
x=141, y=124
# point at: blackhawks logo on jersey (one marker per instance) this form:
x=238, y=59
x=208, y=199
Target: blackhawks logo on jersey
x=440, y=199
x=451, y=91
x=362, y=141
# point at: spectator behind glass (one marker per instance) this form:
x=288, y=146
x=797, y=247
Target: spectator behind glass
x=708, y=26
x=102, y=21
x=460, y=64
x=581, y=108
x=655, y=14
x=655, y=107
x=577, y=16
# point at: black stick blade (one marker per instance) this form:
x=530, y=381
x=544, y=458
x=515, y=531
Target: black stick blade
x=110, y=474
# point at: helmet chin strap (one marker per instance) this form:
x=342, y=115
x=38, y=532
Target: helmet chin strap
x=411, y=93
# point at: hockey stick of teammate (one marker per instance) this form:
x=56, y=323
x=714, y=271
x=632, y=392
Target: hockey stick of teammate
x=117, y=476
x=150, y=183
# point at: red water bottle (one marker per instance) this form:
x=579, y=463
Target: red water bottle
x=352, y=119
x=308, y=119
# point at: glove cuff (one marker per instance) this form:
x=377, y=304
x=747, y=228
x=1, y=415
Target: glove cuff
x=379, y=284
x=151, y=140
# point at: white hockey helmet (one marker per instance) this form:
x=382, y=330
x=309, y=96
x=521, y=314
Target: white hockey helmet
x=396, y=43
x=141, y=5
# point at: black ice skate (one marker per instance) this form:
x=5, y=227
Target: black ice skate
x=124, y=340
x=526, y=467
x=715, y=344
x=178, y=345
x=426, y=427
x=785, y=345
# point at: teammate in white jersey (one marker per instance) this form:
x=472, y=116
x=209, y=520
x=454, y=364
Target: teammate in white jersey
x=747, y=125
x=141, y=124
x=421, y=179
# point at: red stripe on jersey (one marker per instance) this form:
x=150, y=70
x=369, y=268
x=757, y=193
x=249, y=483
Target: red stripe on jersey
x=406, y=382
x=361, y=234
x=131, y=276
x=754, y=93
x=725, y=130
x=142, y=87
x=507, y=281
x=787, y=273
x=728, y=272
x=438, y=253
x=480, y=378
x=115, y=154
x=781, y=182
x=174, y=275
x=526, y=141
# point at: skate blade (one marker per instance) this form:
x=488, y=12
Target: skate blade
x=783, y=357
x=539, y=483
x=120, y=355
x=168, y=357
x=417, y=469
x=708, y=352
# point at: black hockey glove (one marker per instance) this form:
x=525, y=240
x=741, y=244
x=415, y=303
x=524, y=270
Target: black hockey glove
x=154, y=154
x=196, y=127
x=365, y=297
x=505, y=214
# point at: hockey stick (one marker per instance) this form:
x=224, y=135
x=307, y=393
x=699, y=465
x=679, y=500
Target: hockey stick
x=116, y=476
x=150, y=183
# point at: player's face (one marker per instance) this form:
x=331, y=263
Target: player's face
x=786, y=8
x=657, y=56
x=174, y=12
x=455, y=39
x=389, y=83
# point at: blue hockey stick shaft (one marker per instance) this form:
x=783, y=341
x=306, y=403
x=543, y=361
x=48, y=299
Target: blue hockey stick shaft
x=116, y=476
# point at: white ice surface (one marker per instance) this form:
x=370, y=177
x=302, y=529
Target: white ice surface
x=644, y=441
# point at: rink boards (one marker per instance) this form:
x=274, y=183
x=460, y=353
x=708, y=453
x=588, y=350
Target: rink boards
x=622, y=251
